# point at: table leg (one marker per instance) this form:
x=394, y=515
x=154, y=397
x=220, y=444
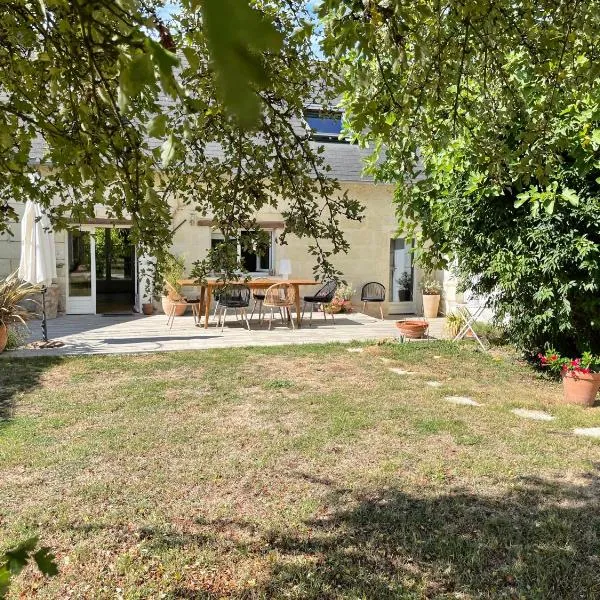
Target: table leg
x=207, y=296
x=201, y=305
x=298, y=314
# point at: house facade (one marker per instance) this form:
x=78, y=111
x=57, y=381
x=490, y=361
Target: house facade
x=100, y=271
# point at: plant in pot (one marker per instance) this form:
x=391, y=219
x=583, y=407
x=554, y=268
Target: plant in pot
x=172, y=271
x=580, y=376
x=404, y=285
x=12, y=292
x=454, y=323
x=342, y=300
x=431, y=290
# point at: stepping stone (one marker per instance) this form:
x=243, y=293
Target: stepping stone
x=462, y=400
x=536, y=415
x=434, y=384
x=436, y=357
x=588, y=431
x=400, y=371
x=355, y=349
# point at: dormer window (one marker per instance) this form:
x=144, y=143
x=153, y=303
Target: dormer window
x=326, y=125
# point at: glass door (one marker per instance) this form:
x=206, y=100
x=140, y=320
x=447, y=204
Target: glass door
x=402, y=275
x=81, y=285
x=115, y=271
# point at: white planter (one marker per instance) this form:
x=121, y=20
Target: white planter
x=431, y=305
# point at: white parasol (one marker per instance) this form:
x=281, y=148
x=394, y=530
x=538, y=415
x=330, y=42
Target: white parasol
x=38, y=255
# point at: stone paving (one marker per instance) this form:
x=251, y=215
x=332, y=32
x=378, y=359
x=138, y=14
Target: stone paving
x=98, y=334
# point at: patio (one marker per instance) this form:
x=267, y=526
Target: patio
x=98, y=334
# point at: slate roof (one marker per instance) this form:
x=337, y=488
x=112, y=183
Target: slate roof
x=345, y=160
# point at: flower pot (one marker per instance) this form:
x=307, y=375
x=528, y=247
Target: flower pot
x=412, y=328
x=403, y=295
x=3, y=337
x=148, y=309
x=580, y=388
x=166, y=302
x=332, y=309
x=431, y=304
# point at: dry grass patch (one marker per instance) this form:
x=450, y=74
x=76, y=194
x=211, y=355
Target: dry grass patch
x=301, y=472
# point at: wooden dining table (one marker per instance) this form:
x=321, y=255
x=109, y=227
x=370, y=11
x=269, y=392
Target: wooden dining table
x=207, y=288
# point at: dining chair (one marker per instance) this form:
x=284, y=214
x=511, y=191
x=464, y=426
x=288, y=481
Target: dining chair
x=281, y=296
x=259, y=298
x=323, y=296
x=373, y=292
x=177, y=300
x=236, y=297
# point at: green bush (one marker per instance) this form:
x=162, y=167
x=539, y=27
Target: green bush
x=17, y=336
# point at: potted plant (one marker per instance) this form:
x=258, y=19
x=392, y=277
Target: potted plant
x=454, y=323
x=342, y=300
x=580, y=376
x=12, y=292
x=412, y=328
x=404, y=283
x=148, y=308
x=431, y=297
x=172, y=271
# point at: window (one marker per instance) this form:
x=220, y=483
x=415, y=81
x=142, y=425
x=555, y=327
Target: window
x=325, y=125
x=251, y=260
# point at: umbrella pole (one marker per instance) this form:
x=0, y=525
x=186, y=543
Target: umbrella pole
x=44, y=322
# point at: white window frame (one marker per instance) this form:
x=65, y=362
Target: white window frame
x=217, y=235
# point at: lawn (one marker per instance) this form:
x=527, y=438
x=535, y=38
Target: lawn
x=301, y=472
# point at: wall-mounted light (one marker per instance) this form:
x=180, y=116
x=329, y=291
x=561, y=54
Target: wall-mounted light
x=285, y=267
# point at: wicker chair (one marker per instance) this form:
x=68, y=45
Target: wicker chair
x=373, y=292
x=281, y=296
x=178, y=300
x=237, y=297
x=323, y=296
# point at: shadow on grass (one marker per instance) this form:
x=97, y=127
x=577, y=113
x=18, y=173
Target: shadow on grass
x=20, y=375
x=540, y=541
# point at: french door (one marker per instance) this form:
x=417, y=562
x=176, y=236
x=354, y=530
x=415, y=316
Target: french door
x=81, y=282
x=103, y=273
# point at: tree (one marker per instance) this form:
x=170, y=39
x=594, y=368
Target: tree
x=486, y=115
x=88, y=81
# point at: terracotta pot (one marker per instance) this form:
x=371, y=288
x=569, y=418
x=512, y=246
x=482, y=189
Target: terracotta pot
x=166, y=306
x=3, y=337
x=580, y=388
x=412, y=328
x=148, y=309
x=332, y=309
x=431, y=304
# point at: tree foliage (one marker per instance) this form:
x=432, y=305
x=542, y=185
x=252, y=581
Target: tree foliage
x=486, y=115
x=13, y=561
x=129, y=110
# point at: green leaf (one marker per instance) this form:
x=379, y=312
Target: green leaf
x=136, y=74
x=570, y=196
x=239, y=37
x=46, y=562
x=4, y=580
x=521, y=199
x=167, y=151
x=156, y=127
x=17, y=558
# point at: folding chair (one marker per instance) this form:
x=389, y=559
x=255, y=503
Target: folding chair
x=469, y=314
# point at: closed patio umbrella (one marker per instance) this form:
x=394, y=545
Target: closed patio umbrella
x=38, y=256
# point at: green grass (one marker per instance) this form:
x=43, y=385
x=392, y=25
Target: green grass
x=298, y=472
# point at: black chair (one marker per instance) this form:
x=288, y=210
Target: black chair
x=259, y=298
x=323, y=296
x=373, y=292
x=237, y=297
